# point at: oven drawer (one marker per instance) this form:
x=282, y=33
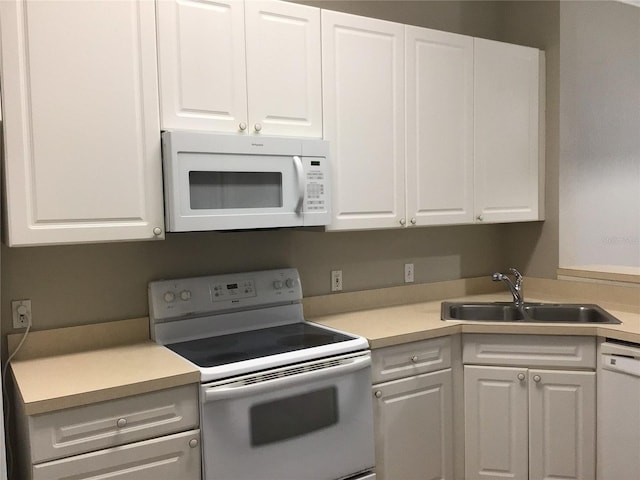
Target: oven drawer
x=398, y=361
x=107, y=424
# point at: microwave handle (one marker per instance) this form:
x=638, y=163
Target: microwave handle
x=230, y=392
x=297, y=163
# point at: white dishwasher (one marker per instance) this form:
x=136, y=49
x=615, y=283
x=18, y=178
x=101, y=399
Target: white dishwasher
x=619, y=411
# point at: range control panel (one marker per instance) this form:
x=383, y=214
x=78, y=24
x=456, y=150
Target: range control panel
x=200, y=296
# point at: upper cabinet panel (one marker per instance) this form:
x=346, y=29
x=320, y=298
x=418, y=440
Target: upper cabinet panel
x=240, y=67
x=363, y=102
x=284, y=68
x=81, y=126
x=508, y=172
x=202, y=64
x=439, y=81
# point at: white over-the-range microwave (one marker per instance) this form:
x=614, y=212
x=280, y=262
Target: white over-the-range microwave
x=231, y=182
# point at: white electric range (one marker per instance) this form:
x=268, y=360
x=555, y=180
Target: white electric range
x=280, y=398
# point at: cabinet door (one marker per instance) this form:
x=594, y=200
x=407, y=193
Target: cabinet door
x=439, y=106
x=363, y=104
x=495, y=406
x=562, y=424
x=81, y=123
x=413, y=421
x=283, y=68
x=164, y=458
x=201, y=51
x=506, y=92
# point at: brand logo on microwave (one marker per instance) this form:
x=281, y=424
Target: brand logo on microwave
x=257, y=144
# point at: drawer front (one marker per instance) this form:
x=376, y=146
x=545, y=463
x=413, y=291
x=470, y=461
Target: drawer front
x=167, y=458
x=116, y=422
x=408, y=359
x=529, y=350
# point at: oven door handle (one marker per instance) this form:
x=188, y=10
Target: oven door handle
x=230, y=391
x=297, y=163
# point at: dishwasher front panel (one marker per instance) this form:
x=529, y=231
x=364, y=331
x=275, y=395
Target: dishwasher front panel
x=618, y=419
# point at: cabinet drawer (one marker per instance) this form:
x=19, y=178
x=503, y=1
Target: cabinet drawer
x=412, y=358
x=172, y=457
x=116, y=422
x=529, y=350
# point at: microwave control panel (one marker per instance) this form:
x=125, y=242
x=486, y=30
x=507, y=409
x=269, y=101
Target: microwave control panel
x=316, y=178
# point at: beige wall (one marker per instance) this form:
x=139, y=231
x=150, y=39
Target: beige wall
x=71, y=285
x=477, y=18
x=600, y=124
x=76, y=284
x=534, y=246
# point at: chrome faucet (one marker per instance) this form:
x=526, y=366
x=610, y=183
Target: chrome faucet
x=515, y=288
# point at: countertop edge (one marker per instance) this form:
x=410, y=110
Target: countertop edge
x=111, y=393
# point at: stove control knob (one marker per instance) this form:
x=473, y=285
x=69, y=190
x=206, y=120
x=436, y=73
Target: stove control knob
x=278, y=284
x=185, y=295
x=290, y=282
x=169, y=297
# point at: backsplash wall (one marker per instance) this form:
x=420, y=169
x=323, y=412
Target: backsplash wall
x=79, y=284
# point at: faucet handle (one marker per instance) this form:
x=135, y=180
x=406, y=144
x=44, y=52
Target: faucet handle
x=518, y=276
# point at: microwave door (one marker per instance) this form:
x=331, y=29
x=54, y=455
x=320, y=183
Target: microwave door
x=239, y=191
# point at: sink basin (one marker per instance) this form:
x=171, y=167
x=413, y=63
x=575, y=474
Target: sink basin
x=483, y=312
x=529, y=312
x=569, y=314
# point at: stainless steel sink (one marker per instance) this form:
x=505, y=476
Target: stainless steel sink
x=529, y=312
x=483, y=312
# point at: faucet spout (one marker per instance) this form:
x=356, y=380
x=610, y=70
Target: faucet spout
x=514, y=287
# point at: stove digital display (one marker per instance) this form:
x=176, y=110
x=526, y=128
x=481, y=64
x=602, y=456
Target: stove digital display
x=221, y=292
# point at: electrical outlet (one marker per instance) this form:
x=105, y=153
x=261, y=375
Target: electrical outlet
x=408, y=273
x=336, y=280
x=21, y=310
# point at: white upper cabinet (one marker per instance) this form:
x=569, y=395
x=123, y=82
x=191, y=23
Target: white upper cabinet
x=240, y=67
x=81, y=122
x=201, y=56
x=470, y=148
x=284, y=68
x=363, y=104
x=439, y=136
x=508, y=132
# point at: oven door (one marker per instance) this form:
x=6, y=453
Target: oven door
x=222, y=191
x=306, y=421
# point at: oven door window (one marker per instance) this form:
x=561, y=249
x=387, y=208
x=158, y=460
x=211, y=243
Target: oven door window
x=230, y=190
x=293, y=416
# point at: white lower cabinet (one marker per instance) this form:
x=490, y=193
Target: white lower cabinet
x=529, y=423
x=165, y=458
x=413, y=415
x=151, y=436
